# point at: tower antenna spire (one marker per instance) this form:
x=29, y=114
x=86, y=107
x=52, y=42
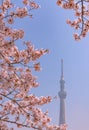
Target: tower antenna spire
x=62, y=69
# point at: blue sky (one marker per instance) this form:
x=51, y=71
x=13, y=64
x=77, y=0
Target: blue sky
x=48, y=29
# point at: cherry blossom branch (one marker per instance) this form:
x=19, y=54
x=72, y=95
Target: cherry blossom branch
x=16, y=78
x=81, y=12
x=18, y=124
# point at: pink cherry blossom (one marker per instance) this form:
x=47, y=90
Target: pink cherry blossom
x=18, y=105
x=81, y=13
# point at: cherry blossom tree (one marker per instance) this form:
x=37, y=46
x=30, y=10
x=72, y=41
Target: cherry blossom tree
x=81, y=12
x=17, y=105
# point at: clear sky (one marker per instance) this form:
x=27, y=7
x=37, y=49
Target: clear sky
x=48, y=29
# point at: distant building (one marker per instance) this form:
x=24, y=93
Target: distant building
x=62, y=95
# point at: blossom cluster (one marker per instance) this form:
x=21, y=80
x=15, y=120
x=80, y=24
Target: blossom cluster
x=17, y=104
x=81, y=13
